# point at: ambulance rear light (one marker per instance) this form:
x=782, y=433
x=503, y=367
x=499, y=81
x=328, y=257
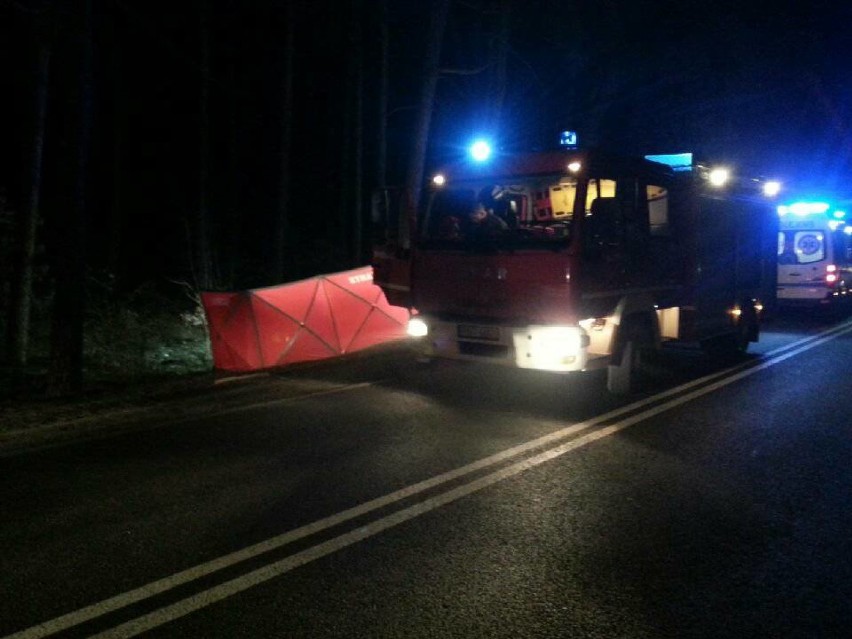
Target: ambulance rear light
x=831, y=274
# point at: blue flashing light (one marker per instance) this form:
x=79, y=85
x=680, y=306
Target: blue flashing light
x=839, y=215
x=568, y=139
x=480, y=150
x=804, y=208
x=677, y=161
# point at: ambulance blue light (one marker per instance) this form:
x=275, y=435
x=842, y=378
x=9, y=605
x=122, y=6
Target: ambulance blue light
x=480, y=150
x=804, y=208
x=839, y=215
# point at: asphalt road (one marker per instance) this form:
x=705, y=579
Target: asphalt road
x=379, y=497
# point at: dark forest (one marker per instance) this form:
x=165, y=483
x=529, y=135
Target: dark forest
x=152, y=150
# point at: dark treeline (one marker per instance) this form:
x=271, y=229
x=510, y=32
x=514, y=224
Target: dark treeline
x=218, y=144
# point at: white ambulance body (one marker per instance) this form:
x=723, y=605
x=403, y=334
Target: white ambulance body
x=814, y=255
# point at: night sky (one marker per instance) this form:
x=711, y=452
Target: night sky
x=766, y=90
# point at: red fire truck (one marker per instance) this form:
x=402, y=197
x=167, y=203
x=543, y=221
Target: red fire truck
x=589, y=259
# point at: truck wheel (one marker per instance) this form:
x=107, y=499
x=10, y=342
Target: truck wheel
x=621, y=378
x=734, y=344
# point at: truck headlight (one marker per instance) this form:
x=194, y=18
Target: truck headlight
x=417, y=328
x=560, y=341
x=553, y=347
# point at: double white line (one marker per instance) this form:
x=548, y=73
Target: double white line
x=630, y=415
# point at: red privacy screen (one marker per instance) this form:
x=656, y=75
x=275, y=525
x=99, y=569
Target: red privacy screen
x=317, y=318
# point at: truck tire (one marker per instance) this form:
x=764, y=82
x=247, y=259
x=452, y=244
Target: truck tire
x=624, y=377
x=621, y=378
x=734, y=344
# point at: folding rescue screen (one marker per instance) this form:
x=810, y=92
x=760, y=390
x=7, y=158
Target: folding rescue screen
x=317, y=318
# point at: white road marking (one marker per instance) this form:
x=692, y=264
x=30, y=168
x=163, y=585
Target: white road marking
x=222, y=591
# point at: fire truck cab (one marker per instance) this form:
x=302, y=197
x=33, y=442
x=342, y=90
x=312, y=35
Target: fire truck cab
x=589, y=259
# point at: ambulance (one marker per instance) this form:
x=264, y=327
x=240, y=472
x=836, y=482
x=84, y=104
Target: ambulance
x=814, y=255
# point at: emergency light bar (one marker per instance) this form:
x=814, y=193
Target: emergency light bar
x=804, y=208
x=568, y=139
x=677, y=161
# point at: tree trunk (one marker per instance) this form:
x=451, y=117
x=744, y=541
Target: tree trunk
x=382, y=124
x=342, y=229
x=19, y=321
x=203, y=266
x=233, y=232
x=116, y=220
x=431, y=70
x=498, y=63
x=65, y=374
x=357, y=202
x=282, y=221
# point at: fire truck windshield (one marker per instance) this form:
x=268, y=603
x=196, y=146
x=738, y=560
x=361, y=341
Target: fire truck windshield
x=530, y=214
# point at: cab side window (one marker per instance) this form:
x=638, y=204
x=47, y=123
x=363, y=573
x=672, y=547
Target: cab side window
x=663, y=247
x=658, y=209
x=599, y=188
x=615, y=219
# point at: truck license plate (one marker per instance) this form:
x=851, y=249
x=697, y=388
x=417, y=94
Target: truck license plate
x=472, y=331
